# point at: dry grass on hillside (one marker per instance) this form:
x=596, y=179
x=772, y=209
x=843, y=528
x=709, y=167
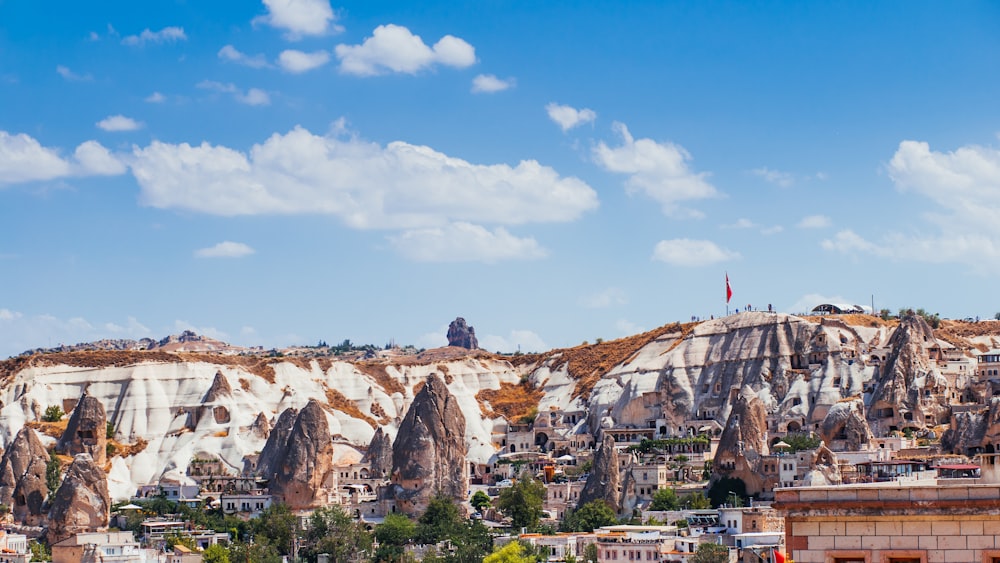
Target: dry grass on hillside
x=376, y=371
x=855, y=319
x=511, y=401
x=50, y=429
x=339, y=402
x=587, y=363
x=958, y=333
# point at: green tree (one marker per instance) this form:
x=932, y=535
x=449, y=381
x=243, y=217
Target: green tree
x=392, y=534
x=333, y=531
x=710, y=553
x=278, y=525
x=53, y=476
x=665, y=499
x=215, y=554
x=109, y=430
x=696, y=501
x=441, y=521
x=480, y=501
x=590, y=553
x=39, y=551
x=523, y=502
x=590, y=516
x=513, y=552
x=53, y=413
x=180, y=539
x=256, y=552
x=800, y=441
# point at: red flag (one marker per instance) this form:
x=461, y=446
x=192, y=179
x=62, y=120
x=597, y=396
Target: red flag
x=729, y=290
x=779, y=557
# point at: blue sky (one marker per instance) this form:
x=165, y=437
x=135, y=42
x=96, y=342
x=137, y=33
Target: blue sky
x=286, y=171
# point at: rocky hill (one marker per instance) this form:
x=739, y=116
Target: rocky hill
x=169, y=407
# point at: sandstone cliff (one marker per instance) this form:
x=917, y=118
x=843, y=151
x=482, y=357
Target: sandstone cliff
x=604, y=482
x=82, y=503
x=298, y=458
x=86, y=432
x=429, y=453
x=22, y=477
x=845, y=427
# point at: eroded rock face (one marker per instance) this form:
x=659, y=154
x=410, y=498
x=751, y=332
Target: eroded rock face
x=86, y=432
x=220, y=389
x=462, y=335
x=428, y=455
x=82, y=503
x=907, y=375
x=379, y=455
x=743, y=442
x=973, y=432
x=604, y=482
x=845, y=427
x=261, y=427
x=298, y=457
x=22, y=477
x=823, y=469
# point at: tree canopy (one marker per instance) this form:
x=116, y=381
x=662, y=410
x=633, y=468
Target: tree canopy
x=523, y=502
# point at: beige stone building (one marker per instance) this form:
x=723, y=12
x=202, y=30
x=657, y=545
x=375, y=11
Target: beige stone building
x=942, y=521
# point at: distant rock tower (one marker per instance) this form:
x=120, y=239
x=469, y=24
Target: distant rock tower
x=462, y=335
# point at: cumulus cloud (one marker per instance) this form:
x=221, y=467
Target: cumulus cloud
x=963, y=188
x=71, y=76
x=465, y=242
x=605, y=298
x=118, y=123
x=300, y=17
x=742, y=223
x=20, y=332
x=815, y=222
x=776, y=177
x=659, y=170
x=691, y=253
x=252, y=97
x=393, y=48
x=517, y=340
x=24, y=159
x=568, y=117
x=772, y=230
x=231, y=54
x=628, y=328
x=298, y=61
x=367, y=185
x=489, y=83
x=225, y=249
x=166, y=35
x=156, y=98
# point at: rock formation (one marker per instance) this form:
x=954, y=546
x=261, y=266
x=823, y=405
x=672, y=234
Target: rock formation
x=743, y=442
x=379, y=455
x=220, y=389
x=604, y=482
x=462, y=335
x=897, y=402
x=86, y=432
x=428, y=456
x=261, y=427
x=298, y=457
x=82, y=503
x=22, y=477
x=974, y=432
x=823, y=469
x=845, y=427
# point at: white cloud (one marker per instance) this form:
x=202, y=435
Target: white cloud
x=436, y=339
x=568, y=117
x=742, y=223
x=225, y=249
x=20, y=332
x=209, y=331
x=68, y=74
x=252, y=97
x=489, y=83
x=815, y=222
x=95, y=160
x=776, y=177
x=298, y=61
x=392, y=48
x=660, y=170
x=156, y=98
x=24, y=159
x=691, y=253
x=231, y=54
x=367, y=185
x=605, y=298
x=772, y=230
x=518, y=340
x=300, y=17
x=165, y=35
x=849, y=242
x=628, y=328
x=119, y=123
x=963, y=186
x=465, y=242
